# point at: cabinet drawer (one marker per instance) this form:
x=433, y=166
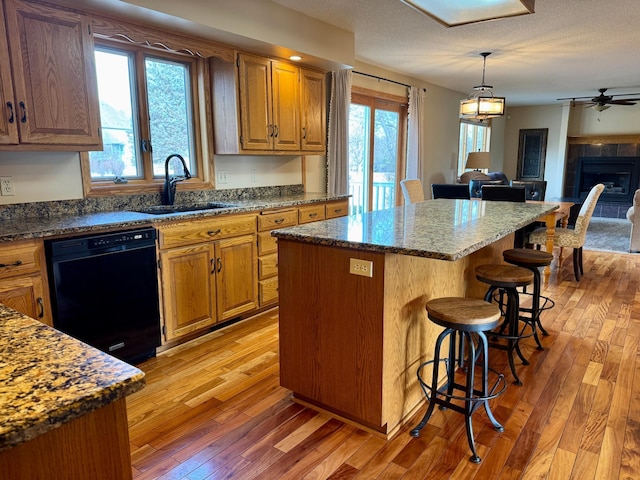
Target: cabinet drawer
x=19, y=258
x=268, y=291
x=337, y=209
x=278, y=219
x=312, y=213
x=186, y=233
x=267, y=266
x=267, y=243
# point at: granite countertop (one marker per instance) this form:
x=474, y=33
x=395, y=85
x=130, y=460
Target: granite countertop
x=443, y=229
x=20, y=228
x=48, y=378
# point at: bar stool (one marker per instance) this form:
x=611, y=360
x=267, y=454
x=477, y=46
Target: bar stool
x=533, y=260
x=467, y=318
x=507, y=279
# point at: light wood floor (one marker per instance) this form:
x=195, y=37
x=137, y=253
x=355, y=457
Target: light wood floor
x=213, y=409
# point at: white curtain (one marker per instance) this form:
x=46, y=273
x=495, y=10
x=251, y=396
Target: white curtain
x=338, y=138
x=414, y=135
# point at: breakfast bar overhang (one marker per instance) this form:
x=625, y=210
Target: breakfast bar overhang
x=352, y=333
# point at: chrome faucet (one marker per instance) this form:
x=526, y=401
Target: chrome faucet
x=170, y=182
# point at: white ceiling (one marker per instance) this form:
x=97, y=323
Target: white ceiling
x=566, y=48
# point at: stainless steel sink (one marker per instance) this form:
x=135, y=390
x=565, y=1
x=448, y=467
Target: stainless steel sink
x=165, y=209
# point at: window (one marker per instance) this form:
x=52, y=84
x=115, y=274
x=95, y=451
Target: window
x=474, y=137
x=149, y=110
x=376, y=151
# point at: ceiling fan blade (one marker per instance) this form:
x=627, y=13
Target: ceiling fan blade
x=625, y=95
x=620, y=102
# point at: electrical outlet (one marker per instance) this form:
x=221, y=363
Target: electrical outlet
x=6, y=186
x=363, y=268
x=222, y=176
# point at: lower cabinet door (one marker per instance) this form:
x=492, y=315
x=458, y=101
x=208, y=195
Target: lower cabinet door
x=188, y=289
x=236, y=276
x=268, y=291
x=26, y=295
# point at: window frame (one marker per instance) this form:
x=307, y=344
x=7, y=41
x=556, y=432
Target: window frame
x=374, y=100
x=202, y=128
x=462, y=144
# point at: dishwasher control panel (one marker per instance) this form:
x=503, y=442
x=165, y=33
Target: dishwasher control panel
x=105, y=242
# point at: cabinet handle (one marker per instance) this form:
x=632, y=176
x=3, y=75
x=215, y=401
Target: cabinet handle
x=213, y=233
x=304, y=133
x=10, y=106
x=24, y=112
x=219, y=260
x=337, y=210
x=41, y=305
x=213, y=266
x=276, y=130
x=313, y=215
x=278, y=220
x=270, y=130
x=14, y=264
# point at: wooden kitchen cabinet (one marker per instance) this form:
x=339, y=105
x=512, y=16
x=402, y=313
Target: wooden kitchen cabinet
x=313, y=110
x=208, y=272
x=23, y=279
x=265, y=106
x=48, y=81
x=338, y=208
x=268, y=104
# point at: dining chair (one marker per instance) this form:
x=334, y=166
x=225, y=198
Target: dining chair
x=412, y=190
x=572, y=237
x=450, y=190
x=503, y=193
x=535, y=189
x=476, y=185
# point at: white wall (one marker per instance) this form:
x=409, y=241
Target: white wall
x=41, y=176
x=242, y=171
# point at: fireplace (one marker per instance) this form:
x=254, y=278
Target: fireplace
x=619, y=175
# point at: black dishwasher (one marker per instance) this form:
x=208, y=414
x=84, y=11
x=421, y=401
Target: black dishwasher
x=104, y=291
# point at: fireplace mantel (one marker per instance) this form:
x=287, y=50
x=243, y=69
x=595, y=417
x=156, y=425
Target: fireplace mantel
x=603, y=139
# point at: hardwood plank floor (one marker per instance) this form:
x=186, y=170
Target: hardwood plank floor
x=213, y=408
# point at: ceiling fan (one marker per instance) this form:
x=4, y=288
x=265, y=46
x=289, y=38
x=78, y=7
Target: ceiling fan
x=602, y=101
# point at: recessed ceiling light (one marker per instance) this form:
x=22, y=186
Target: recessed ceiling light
x=460, y=12
x=295, y=58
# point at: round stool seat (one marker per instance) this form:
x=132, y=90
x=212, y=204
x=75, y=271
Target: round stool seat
x=465, y=314
x=506, y=276
x=527, y=257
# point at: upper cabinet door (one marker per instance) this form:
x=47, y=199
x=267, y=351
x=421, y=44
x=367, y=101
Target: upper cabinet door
x=255, y=102
x=313, y=110
x=54, y=75
x=286, y=117
x=8, y=124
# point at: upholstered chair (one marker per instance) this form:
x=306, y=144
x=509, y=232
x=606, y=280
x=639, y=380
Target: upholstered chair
x=633, y=215
x=412, y=190
x=449, y=190
x=536, y=189
x=574, y=238
x=475, y=186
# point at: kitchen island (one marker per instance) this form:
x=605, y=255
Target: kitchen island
x=353, y=326
x=62, y=405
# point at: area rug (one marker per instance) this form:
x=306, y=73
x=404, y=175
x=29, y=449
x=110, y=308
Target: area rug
x=608, y=235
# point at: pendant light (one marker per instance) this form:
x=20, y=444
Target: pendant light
x=482, y=103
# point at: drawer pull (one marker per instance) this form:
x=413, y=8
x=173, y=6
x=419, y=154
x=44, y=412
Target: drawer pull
x=41, y=305
x=213, y=233
x=313, y=215
x=14, y=264
x=278, y=220
x=337, y=210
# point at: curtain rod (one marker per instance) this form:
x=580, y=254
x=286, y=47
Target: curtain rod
x=384, y=79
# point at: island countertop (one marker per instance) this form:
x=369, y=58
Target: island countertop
x=443, y=229
x=48, y=379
